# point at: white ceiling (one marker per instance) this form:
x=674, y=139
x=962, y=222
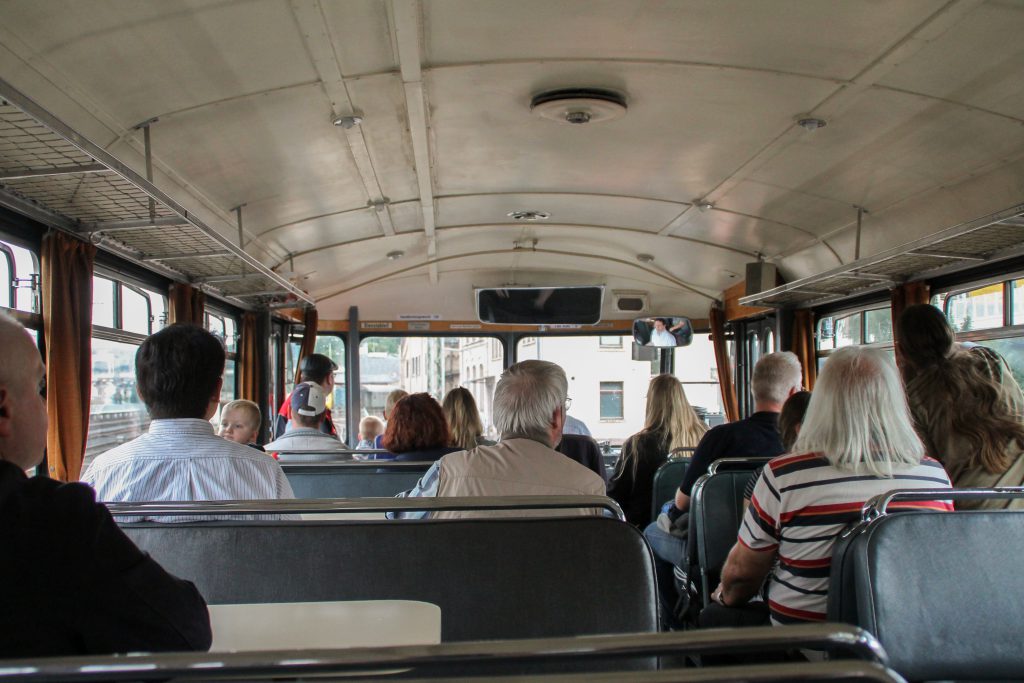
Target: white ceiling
x=924, y=101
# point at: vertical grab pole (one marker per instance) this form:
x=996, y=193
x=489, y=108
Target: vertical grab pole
x=353, y=407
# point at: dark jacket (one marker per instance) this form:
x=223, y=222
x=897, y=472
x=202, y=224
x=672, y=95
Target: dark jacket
x=633, y=493
x=73, y=584
x=583, y=449
x=429, y=455
x=753, y=437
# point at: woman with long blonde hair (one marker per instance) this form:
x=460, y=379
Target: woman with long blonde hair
x=671, y=423
x=463, y=419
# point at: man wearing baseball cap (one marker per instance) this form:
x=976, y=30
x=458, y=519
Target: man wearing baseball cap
x=318, y=369
x=308, y=407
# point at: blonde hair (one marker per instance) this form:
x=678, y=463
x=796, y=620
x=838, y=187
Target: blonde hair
x=669, y=413
x=858, y=417
x=463, y=418
x=375, y=422
x=250, y=409
x=669, y=417
x=393, y=398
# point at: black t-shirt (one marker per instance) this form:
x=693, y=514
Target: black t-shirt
x=756, y=436
x=71, y=582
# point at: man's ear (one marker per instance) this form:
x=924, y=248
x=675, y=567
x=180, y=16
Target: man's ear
x=558, y=418
x=6, y=419
x=215, y=398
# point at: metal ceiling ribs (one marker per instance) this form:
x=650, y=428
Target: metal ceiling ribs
x=53, y=174
x=991, y=238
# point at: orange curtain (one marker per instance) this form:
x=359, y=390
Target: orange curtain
x=732, y=408
x=66, y=275
x=803, y=345
x=249, y=361
x=907, y=295
x=186, y=304
x=308, y=339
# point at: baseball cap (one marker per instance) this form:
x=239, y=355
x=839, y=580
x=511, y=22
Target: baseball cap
x=309, y=399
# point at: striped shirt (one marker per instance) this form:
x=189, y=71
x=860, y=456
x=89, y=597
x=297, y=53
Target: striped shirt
x=183, y=460
x=801, y=504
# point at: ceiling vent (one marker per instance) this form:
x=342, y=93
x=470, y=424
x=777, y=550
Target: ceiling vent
x=579, y=106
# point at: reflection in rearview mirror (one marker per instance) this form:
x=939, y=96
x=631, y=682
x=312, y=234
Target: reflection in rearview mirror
x=665, y=331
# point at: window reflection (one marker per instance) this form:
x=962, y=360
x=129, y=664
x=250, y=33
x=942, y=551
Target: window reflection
x=116, y=413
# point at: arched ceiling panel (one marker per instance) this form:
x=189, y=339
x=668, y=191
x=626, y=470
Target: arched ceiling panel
x=350, y=23
x=181, y=54
x=829, y=39
x=639, y=214
x=980, y=63
x=486, y=139
x=280, y=145
x=888, y=146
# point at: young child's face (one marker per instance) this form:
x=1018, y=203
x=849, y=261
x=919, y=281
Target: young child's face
x=235, y=426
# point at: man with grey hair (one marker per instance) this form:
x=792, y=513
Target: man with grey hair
x=529, y=413
x=71, y=582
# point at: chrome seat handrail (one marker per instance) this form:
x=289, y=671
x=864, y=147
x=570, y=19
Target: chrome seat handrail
x=289, y=663
x=877, y=506
x=360, y=505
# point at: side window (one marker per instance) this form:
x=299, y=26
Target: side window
x=19, y=278
x=222, y=325
x=872, y=326
x=124, y=314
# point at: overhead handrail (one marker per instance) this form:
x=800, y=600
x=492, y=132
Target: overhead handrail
x=876, y=506
x=733, y=464
x=832, y=638
x=359, y=505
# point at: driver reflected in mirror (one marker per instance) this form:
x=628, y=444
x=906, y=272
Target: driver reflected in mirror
x=663, y=331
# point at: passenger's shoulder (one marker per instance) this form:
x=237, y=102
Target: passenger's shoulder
x=789, y=463
x=74, y=502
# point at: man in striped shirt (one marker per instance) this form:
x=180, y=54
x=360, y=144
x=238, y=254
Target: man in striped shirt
x=179, y=375
x=856, y=442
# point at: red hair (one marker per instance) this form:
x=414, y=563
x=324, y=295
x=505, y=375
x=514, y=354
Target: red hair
x=416, y=424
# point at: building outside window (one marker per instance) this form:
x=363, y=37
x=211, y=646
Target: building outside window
x=611, y=400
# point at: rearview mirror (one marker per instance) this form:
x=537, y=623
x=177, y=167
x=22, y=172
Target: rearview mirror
x=667, y=331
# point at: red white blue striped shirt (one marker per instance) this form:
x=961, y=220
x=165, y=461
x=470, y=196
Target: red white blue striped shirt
x=801, y=504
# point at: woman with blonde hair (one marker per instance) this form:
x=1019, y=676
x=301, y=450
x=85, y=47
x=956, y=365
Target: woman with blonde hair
x=463, y=419
x=671, y=423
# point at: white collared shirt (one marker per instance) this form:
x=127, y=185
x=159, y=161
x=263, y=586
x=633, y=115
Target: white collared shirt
x=183, y=460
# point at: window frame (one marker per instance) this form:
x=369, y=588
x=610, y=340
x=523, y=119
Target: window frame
x=836, y=314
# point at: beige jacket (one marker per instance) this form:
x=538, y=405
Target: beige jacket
x=515, y=467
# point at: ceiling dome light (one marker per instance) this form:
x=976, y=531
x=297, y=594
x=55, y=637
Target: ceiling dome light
x=579, y=106
x=811, y=123
x=529, y=215
x=395, y=255
x=347, y=122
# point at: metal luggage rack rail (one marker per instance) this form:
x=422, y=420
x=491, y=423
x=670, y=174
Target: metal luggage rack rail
x=52, y=174
x=360, y=505
x=994, y=237
x=369, y=662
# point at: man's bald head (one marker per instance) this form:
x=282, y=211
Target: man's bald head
x=23, y=419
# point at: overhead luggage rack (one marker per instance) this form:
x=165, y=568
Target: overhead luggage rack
x=54, y=175
x=987, y=239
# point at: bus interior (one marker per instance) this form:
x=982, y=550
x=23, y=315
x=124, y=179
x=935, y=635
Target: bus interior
x=429, y=191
